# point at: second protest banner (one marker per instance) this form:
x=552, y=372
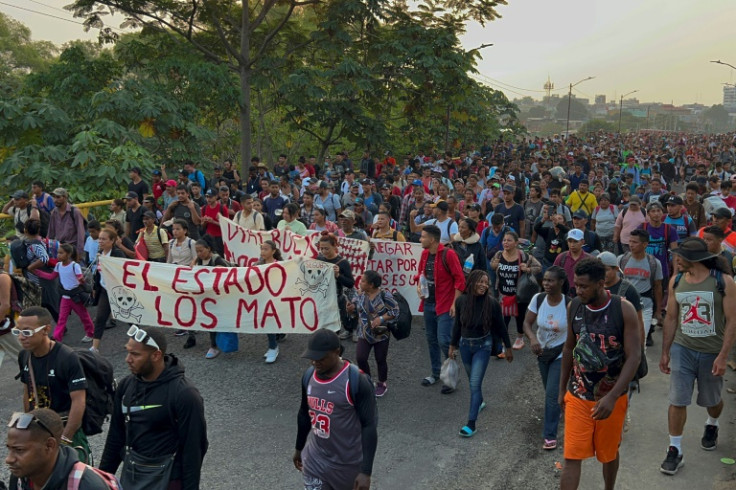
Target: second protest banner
x=397, y=263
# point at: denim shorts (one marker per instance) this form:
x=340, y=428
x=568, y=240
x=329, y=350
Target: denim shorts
x=687, y=366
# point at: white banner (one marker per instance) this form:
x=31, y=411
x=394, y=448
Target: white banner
x=397, y=263
x=293, y=296
x=242, y=246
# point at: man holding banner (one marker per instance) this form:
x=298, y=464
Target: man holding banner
x=440, y=282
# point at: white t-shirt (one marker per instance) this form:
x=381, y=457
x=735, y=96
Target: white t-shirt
x=444, y=228
x=551, y=322
x=68, y=275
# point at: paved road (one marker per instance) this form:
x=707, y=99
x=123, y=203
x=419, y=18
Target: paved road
x=251, y=412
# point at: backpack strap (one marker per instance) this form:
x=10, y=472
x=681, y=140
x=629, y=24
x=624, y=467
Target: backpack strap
x=75, y=476
x=653, y=269
x=353, y=380
x=540, y=300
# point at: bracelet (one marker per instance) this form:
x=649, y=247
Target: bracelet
x=66, y=439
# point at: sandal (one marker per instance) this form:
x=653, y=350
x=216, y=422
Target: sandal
x=549, y=444
x=429, y=381
x=466, y=432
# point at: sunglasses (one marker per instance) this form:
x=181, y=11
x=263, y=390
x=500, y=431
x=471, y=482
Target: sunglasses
x=22, y=421
x=27, y=332
x=140, y=335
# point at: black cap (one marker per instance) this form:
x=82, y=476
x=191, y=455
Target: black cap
x=677, y=200
x=580, y=214
x=722, y=213
x=321, y=343
x=131, y=195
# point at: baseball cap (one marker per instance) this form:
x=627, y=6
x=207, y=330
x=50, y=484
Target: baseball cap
x=575, y=234
x=358, y=200
x=20, y=195
x=416, y=182
x=496, y=185
x=156, y=172
x=608, y=259
x=385, y=186
x=580, y=214
x=60, y=191
x=508, y=188
x=347, y=214
x=676, y=200
x=441, y=205
x=224, y=188
x=131, y=195
x=210, y=193
x=323, y=184
x=321, y=343
x=354, y=184
x=635, y=200
x=722, y=213
x=171, y=183
x=511, y=178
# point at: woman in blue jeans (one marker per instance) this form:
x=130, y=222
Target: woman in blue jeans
x=548, y=311
x=479, y=330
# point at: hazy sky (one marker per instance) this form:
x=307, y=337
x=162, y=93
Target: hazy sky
x=659, y=47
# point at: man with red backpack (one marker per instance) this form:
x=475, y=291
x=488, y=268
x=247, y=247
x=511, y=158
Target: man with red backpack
x=38, y=458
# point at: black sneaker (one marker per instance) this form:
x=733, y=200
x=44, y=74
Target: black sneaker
x=180, y=333
x=191, y=342
x=650, y=340
x=672, y=462
x=710, y=438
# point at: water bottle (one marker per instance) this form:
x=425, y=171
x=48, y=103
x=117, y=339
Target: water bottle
x=423, y=286
x=468, y=264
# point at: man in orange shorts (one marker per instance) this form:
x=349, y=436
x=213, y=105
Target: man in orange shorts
x=600, y=357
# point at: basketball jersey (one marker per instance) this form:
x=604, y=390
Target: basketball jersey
x=335, y=439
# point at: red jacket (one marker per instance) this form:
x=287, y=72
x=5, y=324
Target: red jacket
x=445, y=282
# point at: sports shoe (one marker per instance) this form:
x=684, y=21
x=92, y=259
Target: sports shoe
x=212, y=353
x=710, y=437
x=180, y=333
x=429, y=381
x=344, y=335
x=672, y=462
x=518, y=343
x=650, y=340
x=381, y=389
x=191, y=342
x=94, y=349
x=354, y=336
x=86, y=339
x=271, y=355
x=446, y=390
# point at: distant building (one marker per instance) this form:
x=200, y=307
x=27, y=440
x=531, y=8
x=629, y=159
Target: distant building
x=600, y=100
x=729, y=96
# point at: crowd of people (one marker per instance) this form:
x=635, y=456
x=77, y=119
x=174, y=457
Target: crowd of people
x=570, y=239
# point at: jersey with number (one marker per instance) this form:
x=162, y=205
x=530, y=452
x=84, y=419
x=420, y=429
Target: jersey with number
x=336, y=430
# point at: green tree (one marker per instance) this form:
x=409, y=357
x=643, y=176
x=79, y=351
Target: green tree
x=578, y=111
x=595, y=125
x=717, y=117
x=244, y=34
x=19, y=54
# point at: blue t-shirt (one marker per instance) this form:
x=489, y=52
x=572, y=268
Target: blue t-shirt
x=683, y=225
x=512, y=216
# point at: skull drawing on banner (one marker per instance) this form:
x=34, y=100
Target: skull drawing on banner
x=124, y=303
x=315, y=277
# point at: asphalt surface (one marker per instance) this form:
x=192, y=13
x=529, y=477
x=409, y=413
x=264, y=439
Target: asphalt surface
x=251, y=414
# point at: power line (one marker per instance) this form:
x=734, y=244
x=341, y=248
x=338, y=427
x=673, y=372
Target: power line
x=49, y=6
x=520, y=88
x=42, y=13
x=50, y=15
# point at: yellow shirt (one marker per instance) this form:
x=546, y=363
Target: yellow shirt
x=586, y=201
x=154, y=245
x=389, y=236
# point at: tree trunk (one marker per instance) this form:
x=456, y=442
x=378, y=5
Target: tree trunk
x=245, y=126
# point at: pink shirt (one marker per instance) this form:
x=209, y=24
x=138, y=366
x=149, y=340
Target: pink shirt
x=628, y=223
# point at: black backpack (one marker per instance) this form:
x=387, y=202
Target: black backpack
x=400, y=327
x=101, y=387
x=19, y=252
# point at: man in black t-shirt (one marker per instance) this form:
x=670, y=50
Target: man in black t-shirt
x=137, y=185
x=54, y=377
x=133, y=215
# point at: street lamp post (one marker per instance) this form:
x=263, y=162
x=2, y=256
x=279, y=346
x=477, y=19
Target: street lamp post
x=719, y=62
x=569, y=99
x=621, y=106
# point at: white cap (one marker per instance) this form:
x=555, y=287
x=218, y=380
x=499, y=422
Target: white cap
x=575, y=234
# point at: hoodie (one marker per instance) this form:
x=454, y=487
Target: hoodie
x=58, y=479
x=167, y=416
x=468, y=246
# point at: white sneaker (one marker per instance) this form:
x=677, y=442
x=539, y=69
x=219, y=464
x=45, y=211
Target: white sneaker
x=94, y=349
x=86, y=339
x=271, y=355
